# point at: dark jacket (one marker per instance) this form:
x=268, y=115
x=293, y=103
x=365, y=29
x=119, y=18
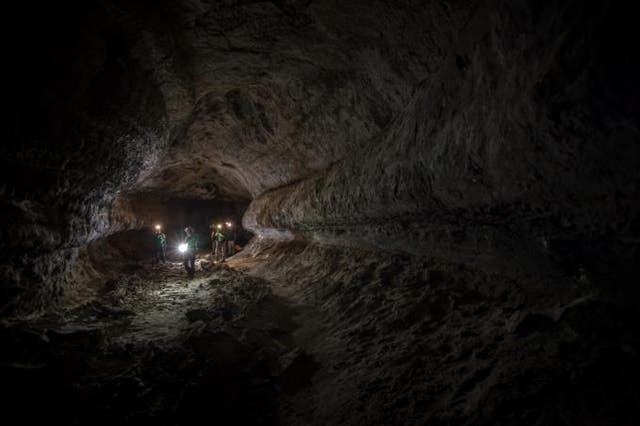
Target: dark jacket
x=160, y=239
x=192, y=242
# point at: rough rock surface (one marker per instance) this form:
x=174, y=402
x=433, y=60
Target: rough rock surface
x=192, y=99
x=155, y=347
x=467, y=125
x=505, y=142
x=446, y=192
x=404, y=339
x=343, y=336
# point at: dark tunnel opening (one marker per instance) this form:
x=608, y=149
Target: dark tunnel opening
x=173, y=214
x=434, y=210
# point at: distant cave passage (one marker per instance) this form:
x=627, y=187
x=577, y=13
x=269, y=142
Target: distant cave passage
x=173, y=215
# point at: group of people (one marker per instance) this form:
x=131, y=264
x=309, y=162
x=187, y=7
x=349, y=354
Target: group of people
x=223, y=241
x=223, y=245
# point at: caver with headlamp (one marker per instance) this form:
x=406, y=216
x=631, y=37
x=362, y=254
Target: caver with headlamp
x=188, y=249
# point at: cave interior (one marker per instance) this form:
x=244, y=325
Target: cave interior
x=436, y=212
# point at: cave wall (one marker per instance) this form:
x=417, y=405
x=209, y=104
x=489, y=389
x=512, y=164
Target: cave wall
x=521, y=146
x=445, y=194
x=475, y=130
x=85, y=120
x=191, y=100
x=423, y=340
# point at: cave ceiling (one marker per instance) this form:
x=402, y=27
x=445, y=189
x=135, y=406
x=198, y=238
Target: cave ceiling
x=261, y=94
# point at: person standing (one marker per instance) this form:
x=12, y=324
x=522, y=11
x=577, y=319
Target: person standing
x=219, y=244
x=231, y=239
x=213, y=241
x=191, y=242
x=159, y=245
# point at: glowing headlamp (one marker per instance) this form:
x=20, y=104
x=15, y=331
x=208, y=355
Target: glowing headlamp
x=158, y=227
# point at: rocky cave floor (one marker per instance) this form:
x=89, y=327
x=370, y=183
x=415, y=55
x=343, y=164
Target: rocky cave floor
x=158, y=346
x=339, y=337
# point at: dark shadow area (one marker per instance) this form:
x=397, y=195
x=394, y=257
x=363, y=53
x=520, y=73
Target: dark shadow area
x=208, y=359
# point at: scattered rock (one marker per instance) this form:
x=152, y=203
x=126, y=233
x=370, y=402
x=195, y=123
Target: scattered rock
x=532, y=323
x=215, y=282
x=219, y=347
x=297, y=369
x=435, y=276
x=226, y=312
x=110, y=285
x=198, y=315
